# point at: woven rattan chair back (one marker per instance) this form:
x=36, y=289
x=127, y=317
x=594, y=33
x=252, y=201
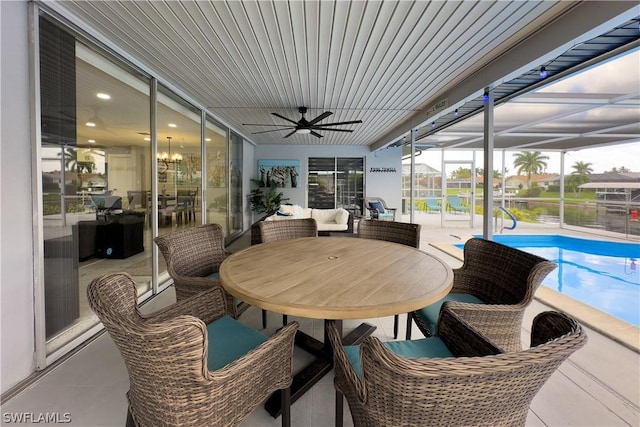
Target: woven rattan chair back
x=461, y=391
x=166, y=357
x=397, y=232
x=192, y=255
x=505, y=279
x=162, y=359
x=287, y=229
x=196, y=251
x=499, y=274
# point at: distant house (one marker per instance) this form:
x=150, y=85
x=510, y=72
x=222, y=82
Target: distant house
x=614, y=187
x=614, y=177
x=521, y=182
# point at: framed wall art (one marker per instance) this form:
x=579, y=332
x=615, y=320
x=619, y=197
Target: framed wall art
x=281, y=173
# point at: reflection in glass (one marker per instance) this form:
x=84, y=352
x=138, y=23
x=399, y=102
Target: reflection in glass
x=179, y=163
x=336, y=183
x=95, y=116
x=235, y=186
x=216, y=148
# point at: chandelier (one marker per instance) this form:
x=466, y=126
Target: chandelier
x=168, y=157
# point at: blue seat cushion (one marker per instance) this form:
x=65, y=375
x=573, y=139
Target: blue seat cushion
x=429, y=314
x=427, y=347
x=229, y=340
x=377, y=206
x=216, y=275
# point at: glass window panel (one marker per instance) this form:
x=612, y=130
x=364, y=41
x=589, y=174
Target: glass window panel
x=350, y=184
x=216, y=148
x=93, y=156
x=321, y=182
x=235, y=185
x=336, y=182
x=179, y=162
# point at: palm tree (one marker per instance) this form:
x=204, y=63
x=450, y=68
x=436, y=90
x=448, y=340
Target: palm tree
x=70, y=159
x=581, y=172
x=530, y=162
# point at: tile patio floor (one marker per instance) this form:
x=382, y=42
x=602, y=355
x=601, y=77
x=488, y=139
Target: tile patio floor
x=598, y=386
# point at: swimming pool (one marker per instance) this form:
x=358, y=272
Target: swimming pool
x=604, y=275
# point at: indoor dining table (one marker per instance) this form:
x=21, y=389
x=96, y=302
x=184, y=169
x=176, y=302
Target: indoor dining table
x=333, y=278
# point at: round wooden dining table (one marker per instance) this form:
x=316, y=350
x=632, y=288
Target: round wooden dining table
x=336, y=277
x=333, y=278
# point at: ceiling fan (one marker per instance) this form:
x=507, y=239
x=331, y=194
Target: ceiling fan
x=304, y=126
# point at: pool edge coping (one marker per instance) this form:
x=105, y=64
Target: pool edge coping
x=618, y=330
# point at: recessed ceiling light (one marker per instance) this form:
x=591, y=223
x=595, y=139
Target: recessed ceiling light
x=90, y=124
x=208, y=139
x=92, y=141
x=103, y=95
x=147, y=139
x=173, y=125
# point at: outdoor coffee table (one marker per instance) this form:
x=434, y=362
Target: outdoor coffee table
x=333, y=278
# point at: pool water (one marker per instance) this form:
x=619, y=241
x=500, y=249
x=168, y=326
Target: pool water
x=604, y=275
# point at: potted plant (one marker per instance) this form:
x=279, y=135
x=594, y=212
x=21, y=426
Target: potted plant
x=266, y=199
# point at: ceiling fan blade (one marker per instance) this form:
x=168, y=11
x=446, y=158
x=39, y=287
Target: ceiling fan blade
x=352, y=122
x=289, y=134
x=263, y=124
x=332, y=129
x=272, y=130
x=321, y=117
x=316, y=134
x=284, y=118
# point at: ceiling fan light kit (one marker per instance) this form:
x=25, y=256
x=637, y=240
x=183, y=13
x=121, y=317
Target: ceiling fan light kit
x=304, y=126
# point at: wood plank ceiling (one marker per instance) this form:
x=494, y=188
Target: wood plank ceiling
x=382, y=62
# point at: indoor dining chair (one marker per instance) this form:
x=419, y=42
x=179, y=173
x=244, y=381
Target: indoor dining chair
x=187, y=200
x=459, y=378
x=193, y=258
x=491, y=290
x=403, y=233
x=190, y=364
x=284, y=229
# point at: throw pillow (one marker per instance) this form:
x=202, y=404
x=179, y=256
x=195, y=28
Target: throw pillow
x=377, y=206
x=342, y=216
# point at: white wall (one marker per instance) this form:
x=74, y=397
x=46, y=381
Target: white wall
x=16, y=228
x=382, y=184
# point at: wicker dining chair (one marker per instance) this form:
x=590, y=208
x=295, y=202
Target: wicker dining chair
x=193, y=257
x=284, y=229
x=491, y=290
x=404, y=233
x=457, y=379
x=190, y=364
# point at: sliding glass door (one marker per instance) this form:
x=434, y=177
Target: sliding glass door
x=336, y=182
